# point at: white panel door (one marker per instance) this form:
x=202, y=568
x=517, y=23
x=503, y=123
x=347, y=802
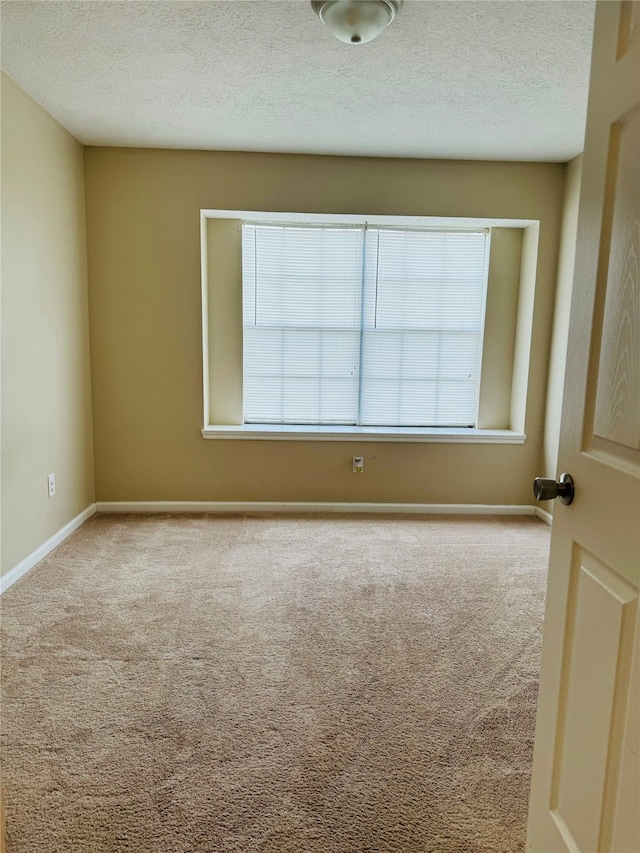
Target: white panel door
x=584, y=794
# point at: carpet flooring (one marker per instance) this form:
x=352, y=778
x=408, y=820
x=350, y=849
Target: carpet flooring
x=274, y=684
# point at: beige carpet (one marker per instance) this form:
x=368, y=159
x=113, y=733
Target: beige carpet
x=274, y=684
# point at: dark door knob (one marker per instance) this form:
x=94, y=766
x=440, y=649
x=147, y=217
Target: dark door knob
x=549, y=490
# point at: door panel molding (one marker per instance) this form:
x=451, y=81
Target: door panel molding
x=600, y=626
x=615, y=417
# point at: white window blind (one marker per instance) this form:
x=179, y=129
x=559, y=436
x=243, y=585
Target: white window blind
x=302, y=310
x=362, y=326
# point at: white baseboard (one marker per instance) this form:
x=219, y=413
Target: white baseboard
x=29, y=562
x=304, y=506
x=544, y=515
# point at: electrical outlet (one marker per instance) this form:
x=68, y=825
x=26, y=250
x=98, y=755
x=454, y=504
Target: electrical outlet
x=358, y=464
x=51, y=484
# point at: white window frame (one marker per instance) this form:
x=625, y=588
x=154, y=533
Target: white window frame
x=285, y=432
x=352, y=341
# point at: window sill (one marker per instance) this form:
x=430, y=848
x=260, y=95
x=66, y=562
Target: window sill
x=438, y=435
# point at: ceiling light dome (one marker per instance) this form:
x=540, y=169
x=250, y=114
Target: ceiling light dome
x=356, y=21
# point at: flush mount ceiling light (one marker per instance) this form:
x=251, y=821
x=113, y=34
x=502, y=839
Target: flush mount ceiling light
x=356, y=21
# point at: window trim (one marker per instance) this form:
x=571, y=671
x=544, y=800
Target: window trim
x=284, y=432
x=311, y=432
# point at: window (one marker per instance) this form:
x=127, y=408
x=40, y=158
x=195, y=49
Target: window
x=362, y=326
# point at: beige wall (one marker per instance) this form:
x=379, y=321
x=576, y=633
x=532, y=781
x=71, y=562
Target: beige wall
x=500, y=332
x=46, y=397
x=223, y=268
x=144, y=271
x=557, y=360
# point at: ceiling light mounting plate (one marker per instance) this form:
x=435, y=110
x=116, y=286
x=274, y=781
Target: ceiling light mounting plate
x=356, y=21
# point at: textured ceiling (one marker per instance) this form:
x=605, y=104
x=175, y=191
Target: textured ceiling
x=479, y=80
